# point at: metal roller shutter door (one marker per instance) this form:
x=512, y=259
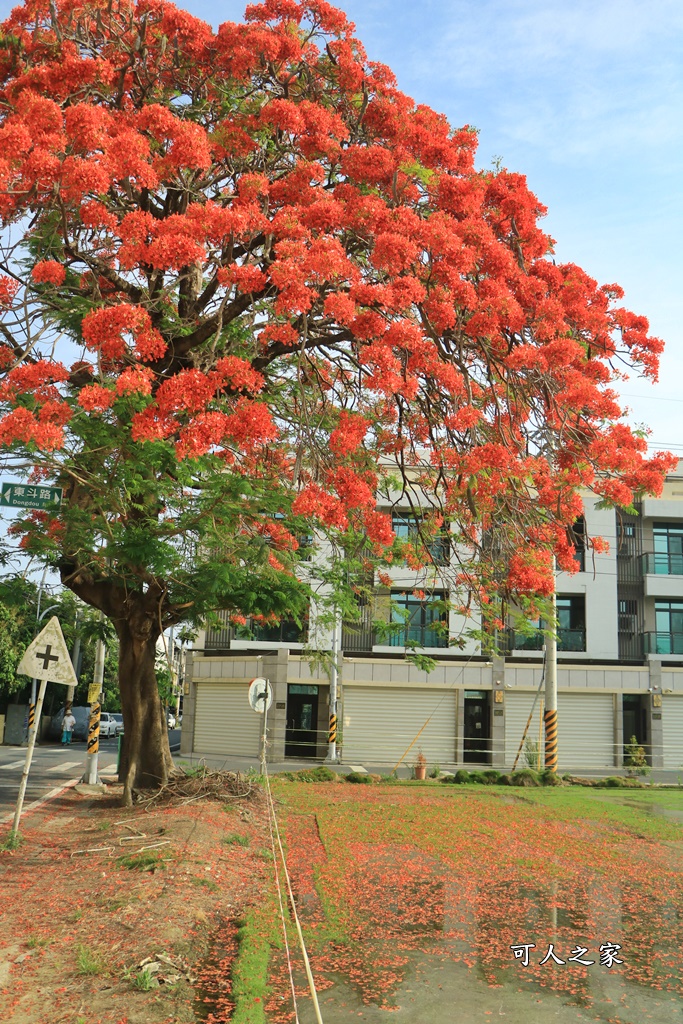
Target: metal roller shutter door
x=517, y=709
x=380, y=723
x=224, y=723
x=585, y=728
x=672, y=731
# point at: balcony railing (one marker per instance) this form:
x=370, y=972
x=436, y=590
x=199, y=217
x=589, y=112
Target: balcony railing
x=222, y=639
x=663, y=643
x=661, y=564
x=219, y=639
x=630, y=646
x=360, y=636
x=567, y=640
x=286, y=632
x=408, y=636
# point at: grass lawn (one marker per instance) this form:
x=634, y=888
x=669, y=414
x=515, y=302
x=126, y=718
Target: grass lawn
x=411, y=897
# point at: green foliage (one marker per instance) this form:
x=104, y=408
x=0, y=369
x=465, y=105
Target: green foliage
x=635, y=758
x=503, y=780
x=532, y=754
x=414, y=169
x=550, y=778
x=88, y=962
x=144, y=861
x=250, y=970
x=145, y=980
x=12, y=842
x=192, y=771
x=320, y=774
x=525, y=777
x=423, y=662
x=164, y=681
x=205, y=883
x=358, y=777
x=614, y=782
x=235, y=839
x=487, y=777
x=18, y=615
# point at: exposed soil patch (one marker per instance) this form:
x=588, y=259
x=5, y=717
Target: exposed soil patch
x=95, y=889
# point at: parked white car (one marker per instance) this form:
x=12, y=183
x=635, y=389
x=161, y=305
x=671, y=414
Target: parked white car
x=108, y=725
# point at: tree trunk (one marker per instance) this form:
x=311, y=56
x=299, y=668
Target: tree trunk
x=148, y=755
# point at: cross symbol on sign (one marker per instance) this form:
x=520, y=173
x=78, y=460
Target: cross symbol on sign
x=47, y=656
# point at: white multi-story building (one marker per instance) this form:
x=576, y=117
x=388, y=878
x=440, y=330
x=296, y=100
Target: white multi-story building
x=620, y=666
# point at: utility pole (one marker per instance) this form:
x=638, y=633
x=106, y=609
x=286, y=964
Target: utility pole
x=94, y=724
x=550, y=716
x=334, y=670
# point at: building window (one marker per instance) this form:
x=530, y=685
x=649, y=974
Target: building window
x=424, y=622
x=668, y=545
x=668, y=638
x=571, y=627
x=577, y=537
x=406, y=526
x=628, y=616
x=571, y=622
x=627, y=538
x=283, y=632
x=571, y=611
x=305, y=547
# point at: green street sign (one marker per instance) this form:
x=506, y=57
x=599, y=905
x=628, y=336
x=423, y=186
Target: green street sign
x=25, y=496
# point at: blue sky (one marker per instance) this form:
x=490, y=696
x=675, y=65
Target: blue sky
x=586, y=100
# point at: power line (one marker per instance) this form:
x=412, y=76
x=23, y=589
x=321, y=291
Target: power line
x=648, y=398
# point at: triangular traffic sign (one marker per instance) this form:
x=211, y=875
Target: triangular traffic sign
x=47, y=657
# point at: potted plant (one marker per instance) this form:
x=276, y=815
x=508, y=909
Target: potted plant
x=420, y=767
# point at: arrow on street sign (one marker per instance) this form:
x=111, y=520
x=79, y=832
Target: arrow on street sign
x=47, y=657
x=25, y=496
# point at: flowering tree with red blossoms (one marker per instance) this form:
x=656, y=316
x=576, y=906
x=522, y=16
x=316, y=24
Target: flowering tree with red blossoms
x=285, y=288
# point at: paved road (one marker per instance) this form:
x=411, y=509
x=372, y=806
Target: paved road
x=52, y=766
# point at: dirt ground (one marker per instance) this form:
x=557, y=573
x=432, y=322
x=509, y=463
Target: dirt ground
x=94, y=890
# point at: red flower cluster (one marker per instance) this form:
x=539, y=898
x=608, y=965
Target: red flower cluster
x=319, y=268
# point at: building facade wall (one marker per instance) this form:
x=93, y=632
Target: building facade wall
x=390, y=710
x=625, y=677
